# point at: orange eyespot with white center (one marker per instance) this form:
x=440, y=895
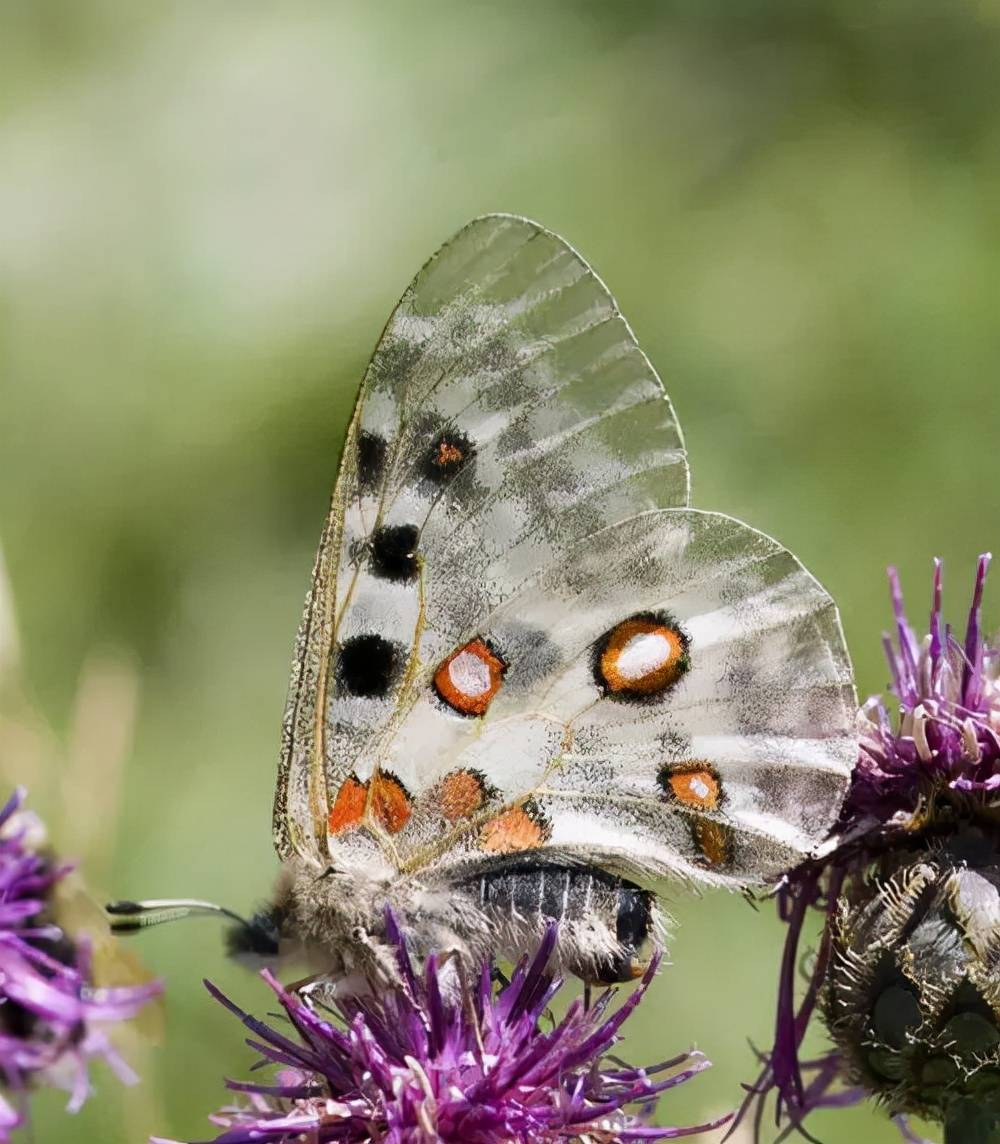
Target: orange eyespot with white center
x=693, y=784
x=386, y=802
x=696, y=786
x=469, y=679
x=641, y=656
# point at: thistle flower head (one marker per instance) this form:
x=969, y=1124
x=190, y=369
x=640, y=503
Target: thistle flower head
x=947, y=737
x=439, y=1060
x=909, y=889
x=53, y=1019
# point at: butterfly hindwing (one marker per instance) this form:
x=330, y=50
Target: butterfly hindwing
x=676, y=698
x=507, y=413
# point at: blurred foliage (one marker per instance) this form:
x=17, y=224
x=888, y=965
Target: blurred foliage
x=207, y=212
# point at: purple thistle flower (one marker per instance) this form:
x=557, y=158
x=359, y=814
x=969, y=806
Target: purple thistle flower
x=52, y=1016
x=949, y=714
x=908, y=887
x=436, y=1060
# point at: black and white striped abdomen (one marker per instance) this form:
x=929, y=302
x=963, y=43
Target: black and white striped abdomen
x=605, y=921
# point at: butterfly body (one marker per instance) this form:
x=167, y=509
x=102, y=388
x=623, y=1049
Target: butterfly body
x=338, y=919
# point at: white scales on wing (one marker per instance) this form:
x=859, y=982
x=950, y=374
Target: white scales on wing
x=643, y=654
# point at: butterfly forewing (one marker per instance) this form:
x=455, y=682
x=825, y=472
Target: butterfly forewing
x=507, y=414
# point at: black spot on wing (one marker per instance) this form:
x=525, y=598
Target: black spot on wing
x=393, y=552
x=368, y=665
x=449, y=452
x=371, y=460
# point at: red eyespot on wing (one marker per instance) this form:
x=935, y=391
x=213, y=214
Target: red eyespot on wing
x=348, y=807
x=643, y=655
x=696, y=786
x=469, y=679
x=693, y=784
x=447, y=454
x=450, y=452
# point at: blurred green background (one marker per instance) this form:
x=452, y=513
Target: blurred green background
x=207, y=212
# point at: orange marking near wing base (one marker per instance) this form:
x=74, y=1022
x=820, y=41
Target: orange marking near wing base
x=349, y=806
x=469, y=679
x=461, y=794
x=637, y=968
x=511, y=831
x=390, y=804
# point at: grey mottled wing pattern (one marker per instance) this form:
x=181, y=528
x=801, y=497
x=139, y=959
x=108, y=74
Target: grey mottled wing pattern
x=507, y=413
x=765, y=710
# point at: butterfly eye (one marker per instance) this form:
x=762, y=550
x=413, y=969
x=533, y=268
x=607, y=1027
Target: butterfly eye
x=643, y=655
x=469, y=679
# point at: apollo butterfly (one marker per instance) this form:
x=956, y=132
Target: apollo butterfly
x=530, y=681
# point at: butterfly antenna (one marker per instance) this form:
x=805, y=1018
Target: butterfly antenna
x=128, y=917
x=259, y=934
